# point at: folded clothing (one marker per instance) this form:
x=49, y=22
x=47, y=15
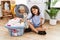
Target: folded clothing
x=15, y=20
x=15, y=23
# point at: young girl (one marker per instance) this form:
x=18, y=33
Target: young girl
x=35, y=21
x=22, y=15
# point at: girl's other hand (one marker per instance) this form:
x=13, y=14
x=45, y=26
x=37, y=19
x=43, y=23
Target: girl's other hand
x=21, y=20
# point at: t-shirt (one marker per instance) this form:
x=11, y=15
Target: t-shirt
x=36, y=19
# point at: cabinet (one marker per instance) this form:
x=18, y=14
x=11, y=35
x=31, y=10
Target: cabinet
x=5, y=5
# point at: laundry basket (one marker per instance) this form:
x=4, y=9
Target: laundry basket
x=15, y=30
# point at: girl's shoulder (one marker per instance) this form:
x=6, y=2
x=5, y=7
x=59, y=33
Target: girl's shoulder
x=41, y=15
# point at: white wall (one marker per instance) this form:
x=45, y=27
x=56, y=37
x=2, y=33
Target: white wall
x=39, y=3
x=21, y=2
x=58, y=16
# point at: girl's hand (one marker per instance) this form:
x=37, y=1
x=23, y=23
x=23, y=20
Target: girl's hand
x=44, y=28
x=41, y=25
x=21, y=20
x=28, y=20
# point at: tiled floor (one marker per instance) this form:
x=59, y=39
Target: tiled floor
x=53, y=33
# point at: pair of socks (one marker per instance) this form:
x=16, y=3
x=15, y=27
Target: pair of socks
x=27, y=30
x=42, y=32
x=39, y=32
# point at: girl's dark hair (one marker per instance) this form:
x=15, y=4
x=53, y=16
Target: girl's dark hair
x=35, y=7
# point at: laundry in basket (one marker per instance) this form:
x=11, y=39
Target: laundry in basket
x=15, y=28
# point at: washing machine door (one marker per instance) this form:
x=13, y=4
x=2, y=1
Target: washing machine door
x=17, y=10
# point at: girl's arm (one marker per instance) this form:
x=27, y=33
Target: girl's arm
x=41, y=20
x=41, y=24
x=21, y=19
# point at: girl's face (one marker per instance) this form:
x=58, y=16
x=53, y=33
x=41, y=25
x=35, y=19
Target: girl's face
x=22, y=10
x=34, y=11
